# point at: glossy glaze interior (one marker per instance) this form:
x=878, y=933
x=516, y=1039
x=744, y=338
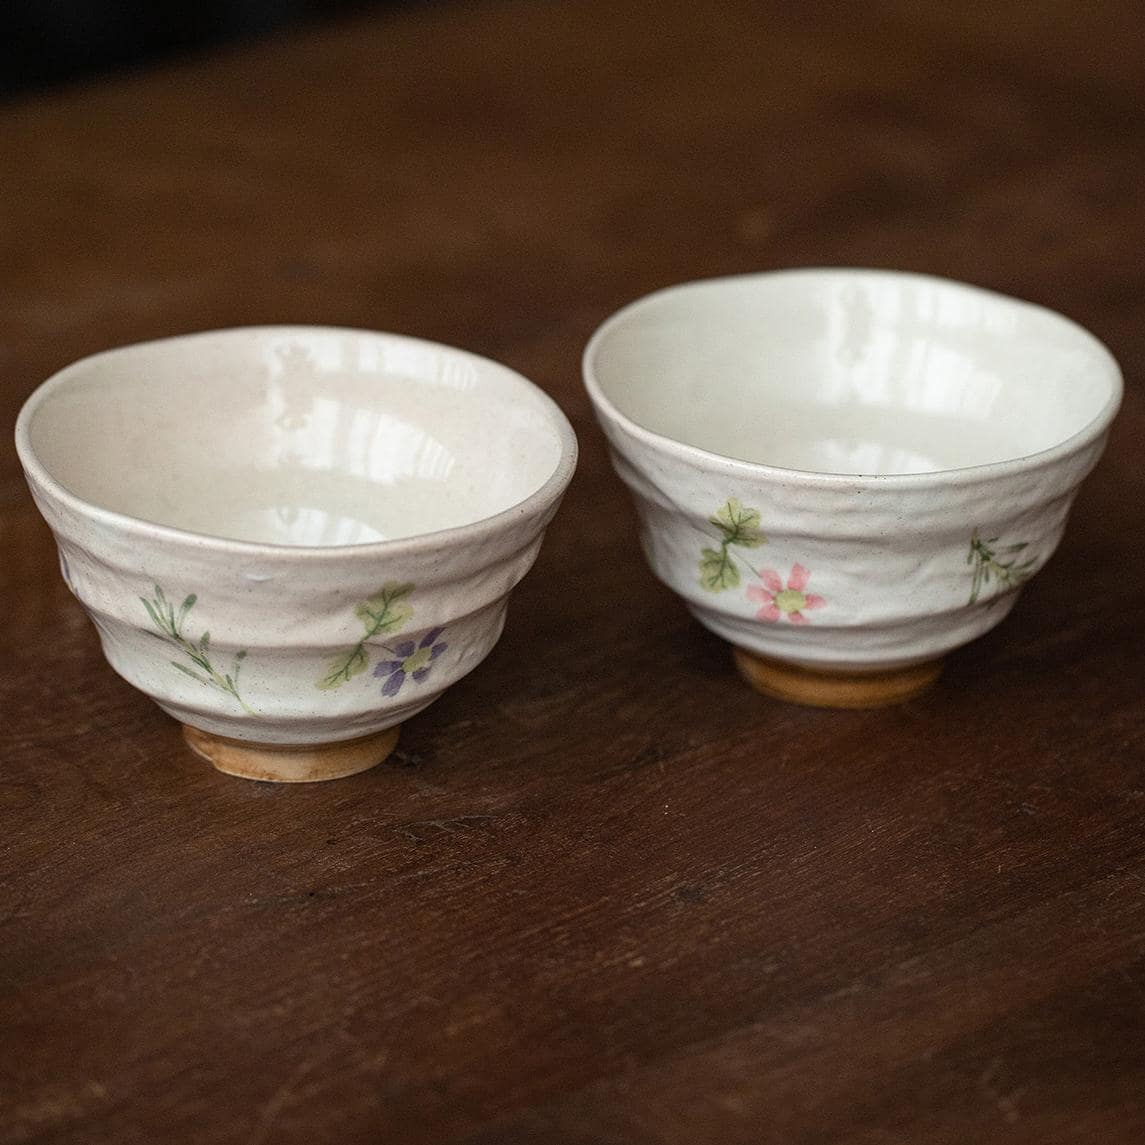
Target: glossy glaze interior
x=851, y=372
x=296, y=436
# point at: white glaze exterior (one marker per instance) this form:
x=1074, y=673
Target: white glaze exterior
x=290, y=609
x=887, y=566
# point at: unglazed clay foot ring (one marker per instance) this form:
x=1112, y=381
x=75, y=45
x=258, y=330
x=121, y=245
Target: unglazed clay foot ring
x=819, y=689
x=285, y=763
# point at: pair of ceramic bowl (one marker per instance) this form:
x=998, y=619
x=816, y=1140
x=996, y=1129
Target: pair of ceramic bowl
x=294, y=539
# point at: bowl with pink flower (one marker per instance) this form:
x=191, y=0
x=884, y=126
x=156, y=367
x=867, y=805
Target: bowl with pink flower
x=846, y=474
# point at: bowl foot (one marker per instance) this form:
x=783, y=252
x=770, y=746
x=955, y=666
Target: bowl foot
x=286, y=763
x=820, y=689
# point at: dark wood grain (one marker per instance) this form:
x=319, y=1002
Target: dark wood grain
x=603, y=894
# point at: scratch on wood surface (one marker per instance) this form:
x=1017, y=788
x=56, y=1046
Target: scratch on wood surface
x=286, y=1094
x=307, y=894
x=417, y=829
x=57, y=1104
x=1005, y=1102
x=295, y=1088
x=848, y=991
x=472, y=1013
x=1118, y=887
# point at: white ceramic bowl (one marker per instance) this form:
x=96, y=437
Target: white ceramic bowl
x=847, y=473
x=294, y=538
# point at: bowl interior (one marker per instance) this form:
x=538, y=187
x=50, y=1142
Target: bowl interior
x=852, y=372
x=296, y=436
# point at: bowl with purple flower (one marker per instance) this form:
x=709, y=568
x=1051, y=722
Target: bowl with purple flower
x=294, y=539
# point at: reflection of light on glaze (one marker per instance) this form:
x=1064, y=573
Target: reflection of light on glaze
x=866, y=374
x=338, y=440
x=415, y=360
x=370, y=444
x=294, y=505
x=382, y=448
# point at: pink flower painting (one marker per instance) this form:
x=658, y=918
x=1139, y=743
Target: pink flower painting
x=779, y=600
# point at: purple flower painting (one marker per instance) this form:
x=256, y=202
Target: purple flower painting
x=409, y=659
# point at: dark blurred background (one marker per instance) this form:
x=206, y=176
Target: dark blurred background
x=48, y=42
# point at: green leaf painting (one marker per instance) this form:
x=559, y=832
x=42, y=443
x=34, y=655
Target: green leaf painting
x=718, y=570
x=169, y=624
x=997, y=564
x=739, y=528
x=386, y=611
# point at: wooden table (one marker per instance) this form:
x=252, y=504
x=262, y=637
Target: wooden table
x=603, y=894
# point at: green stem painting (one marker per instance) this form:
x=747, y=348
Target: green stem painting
x=386, y=611
x=739, y=528
x=1000, y=565
x=169, y=625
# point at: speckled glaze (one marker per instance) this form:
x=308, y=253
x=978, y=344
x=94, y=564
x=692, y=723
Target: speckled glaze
x=294, y=536
x=849, y=471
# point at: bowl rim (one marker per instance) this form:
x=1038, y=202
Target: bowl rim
x=544, y=495
x=959, y=475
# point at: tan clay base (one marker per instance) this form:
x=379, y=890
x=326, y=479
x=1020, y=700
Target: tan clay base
x=835, y=690
x=282, y=763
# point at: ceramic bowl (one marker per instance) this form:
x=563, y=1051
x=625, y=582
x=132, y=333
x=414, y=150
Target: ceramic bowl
x=848, y=473
x=294, y=539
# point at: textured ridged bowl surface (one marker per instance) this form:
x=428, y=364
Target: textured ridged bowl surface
x=294, y=535
x=849, y=470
